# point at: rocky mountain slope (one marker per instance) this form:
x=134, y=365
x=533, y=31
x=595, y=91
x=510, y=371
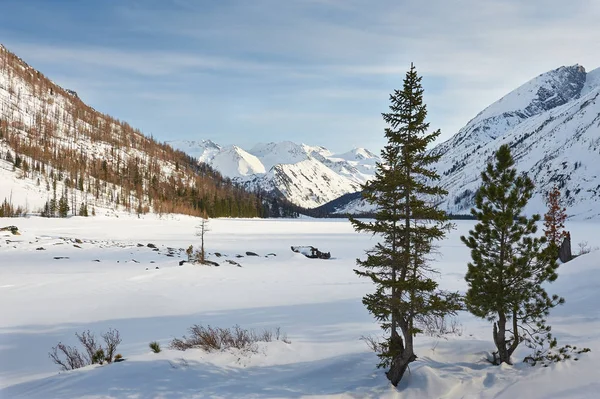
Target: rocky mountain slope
x=306, y=176
x=552, y=124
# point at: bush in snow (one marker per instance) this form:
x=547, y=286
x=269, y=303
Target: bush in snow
x=155, y=346
x=216, y=338
x=70, y=358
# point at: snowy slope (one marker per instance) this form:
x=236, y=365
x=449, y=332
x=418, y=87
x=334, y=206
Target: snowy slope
x=305, y=175
x=236, y=163
x=316, y=302
x=552, y=126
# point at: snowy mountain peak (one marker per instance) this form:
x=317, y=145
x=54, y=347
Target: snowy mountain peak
x=305, y=175
x=234, y=162
x=540, y=94
x=358, y=153
x=203, y=150
x=284, y=152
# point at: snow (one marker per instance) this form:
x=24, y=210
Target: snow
x=316, y=302
x=285, y=152
x=592, y=81
x=244, y=163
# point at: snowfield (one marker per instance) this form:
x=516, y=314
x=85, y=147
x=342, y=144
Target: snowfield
x=103, y=279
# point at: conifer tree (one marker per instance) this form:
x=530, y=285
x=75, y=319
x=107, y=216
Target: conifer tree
x=554, y=221
x=407, y=221
x=63, y=206
x=509, y=264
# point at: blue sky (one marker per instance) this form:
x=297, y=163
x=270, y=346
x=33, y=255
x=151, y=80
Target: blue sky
x=313, y=71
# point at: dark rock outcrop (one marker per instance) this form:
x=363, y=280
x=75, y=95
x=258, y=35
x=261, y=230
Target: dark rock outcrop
x=564, y=252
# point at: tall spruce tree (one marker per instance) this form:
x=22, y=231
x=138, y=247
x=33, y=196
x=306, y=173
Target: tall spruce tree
x=407, y=221
x=509, y=263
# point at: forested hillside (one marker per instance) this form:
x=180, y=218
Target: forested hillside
x=53, y=146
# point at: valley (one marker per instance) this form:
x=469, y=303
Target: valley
x=315, y=302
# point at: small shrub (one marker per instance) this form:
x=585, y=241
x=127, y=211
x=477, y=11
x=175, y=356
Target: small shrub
x=118, y=358
x=216, y=338
x=584, y=248
x=112, y=339
x=99, y=357
x=70, y=358
x=67, y=357
x=155, y=346
x=440, y=326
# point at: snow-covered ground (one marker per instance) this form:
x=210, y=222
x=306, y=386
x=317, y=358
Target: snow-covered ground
x=107, y=280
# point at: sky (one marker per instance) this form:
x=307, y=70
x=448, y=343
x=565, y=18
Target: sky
x=314, y=71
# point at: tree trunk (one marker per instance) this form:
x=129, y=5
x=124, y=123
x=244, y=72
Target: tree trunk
x=404, y=356
x=516, y=339
x=500, y=340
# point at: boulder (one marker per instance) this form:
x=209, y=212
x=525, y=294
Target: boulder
x=311, y=252
x=13, y=229
x=232, y=262
x=248, y=253
x=150, y=245
x=210, y=263
x=564, y=252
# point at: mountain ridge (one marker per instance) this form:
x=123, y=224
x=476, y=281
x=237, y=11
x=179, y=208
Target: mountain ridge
x=308, y=176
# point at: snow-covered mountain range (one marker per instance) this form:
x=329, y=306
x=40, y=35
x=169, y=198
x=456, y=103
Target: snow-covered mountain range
x=552, y=124
x=305, y=175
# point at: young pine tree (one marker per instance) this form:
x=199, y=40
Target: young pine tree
x=407, y=222
x=554, y=221
x=509, y=264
